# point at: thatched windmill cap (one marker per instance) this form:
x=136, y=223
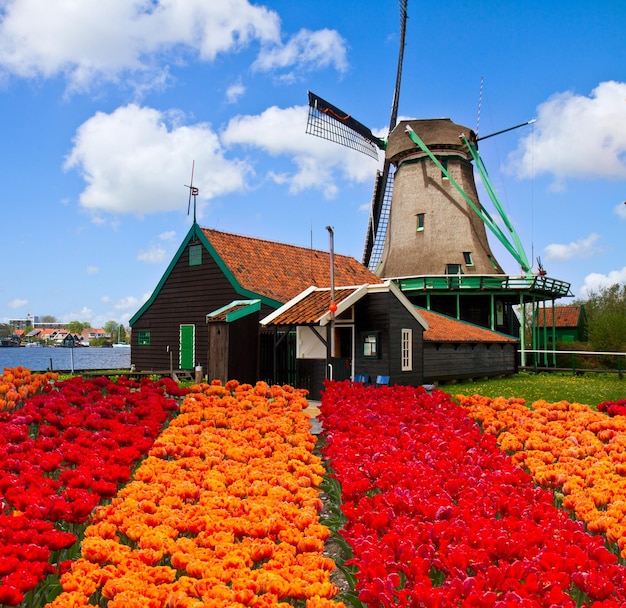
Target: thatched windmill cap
x=439, y=134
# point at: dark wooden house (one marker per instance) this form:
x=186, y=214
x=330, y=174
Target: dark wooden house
x=375, y=334
x=212, y=270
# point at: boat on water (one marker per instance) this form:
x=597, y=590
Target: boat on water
x=121, y=345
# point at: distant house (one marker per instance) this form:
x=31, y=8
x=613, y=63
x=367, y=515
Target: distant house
x=565, y=323
x=47, y=335
x=33, y=335
x=92, y=333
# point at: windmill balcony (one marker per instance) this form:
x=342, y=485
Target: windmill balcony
x=537, y=285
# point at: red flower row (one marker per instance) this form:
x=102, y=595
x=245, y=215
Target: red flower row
x=438, y=516
x=613, y=408
x=61, y=454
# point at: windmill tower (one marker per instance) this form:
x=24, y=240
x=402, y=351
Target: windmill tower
x=427, y=228
x=431, y=228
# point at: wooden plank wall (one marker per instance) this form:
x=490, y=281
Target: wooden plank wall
x=188, y=295
x=445, y=362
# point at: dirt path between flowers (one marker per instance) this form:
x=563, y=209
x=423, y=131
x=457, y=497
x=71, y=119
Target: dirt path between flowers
x=331, y=547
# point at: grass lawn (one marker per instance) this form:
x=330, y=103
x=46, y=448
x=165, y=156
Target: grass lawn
x=590, y=388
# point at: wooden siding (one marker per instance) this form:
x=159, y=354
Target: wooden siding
x=243, y=352
x=188, y=295
x=383, y=313
x=445, y=362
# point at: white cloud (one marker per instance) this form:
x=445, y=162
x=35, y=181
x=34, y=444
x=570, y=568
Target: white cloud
x=319, y=163
x=137, y=160
x=84, y=315
x=594, y=282
x=576, y=137
x=620, y=210
x=582, y=248
x=92, y=39
x=167, y=236
x=154, y=255
x=234, y=92
x=92, y=270
x=305, y=51
x=127, y=303
x=17, y=303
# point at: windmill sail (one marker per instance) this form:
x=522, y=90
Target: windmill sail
x=381, y=201
x=379, y=218
x=329, y=122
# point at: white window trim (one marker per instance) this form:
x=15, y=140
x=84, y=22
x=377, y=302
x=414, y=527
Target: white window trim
x=406, y=354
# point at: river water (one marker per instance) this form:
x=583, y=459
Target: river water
x=64, y=359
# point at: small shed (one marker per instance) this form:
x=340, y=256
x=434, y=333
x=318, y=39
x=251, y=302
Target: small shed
x=234, y=341
x=375, y=334
x=566, y=323
x=456, y=350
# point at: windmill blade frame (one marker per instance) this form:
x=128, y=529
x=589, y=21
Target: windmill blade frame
x=381, y=200
x=329, y=122
x=333, y=124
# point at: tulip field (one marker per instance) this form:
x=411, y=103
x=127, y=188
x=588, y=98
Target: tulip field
x=145, y=494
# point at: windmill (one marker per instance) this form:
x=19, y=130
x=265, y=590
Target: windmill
x=425, y=218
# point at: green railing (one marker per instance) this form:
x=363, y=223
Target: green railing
x=574, y=360
x=531, y=283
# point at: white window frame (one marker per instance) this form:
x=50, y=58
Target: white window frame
x=406, y=353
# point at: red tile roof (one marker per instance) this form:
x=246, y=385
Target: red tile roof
x=279, y=271
x=442, y=328
x=564, y=316
x=310, y=309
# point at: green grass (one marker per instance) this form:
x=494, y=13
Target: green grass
x=590, y=388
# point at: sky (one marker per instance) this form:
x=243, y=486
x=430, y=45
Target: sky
x=106, y=106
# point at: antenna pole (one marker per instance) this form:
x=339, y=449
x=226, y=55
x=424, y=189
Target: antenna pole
x=193, y=191
x=480, y=103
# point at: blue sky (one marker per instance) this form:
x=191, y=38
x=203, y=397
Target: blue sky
x=105, y=105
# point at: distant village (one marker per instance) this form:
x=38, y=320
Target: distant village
x=31, y=332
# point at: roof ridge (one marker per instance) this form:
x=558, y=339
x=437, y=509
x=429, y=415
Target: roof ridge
x=273, y=243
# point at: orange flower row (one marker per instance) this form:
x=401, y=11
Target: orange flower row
x=17, y=383
x=224, y=511
x=578, y=452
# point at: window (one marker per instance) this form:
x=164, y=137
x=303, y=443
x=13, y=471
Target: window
x=143, y=338
x=195, y=255
x=406, y=346
x=444, y=164
x=420, y=222
x=370, y=344
x=467, y=256
x=454, y=269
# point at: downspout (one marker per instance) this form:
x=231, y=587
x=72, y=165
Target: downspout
x=332, y=307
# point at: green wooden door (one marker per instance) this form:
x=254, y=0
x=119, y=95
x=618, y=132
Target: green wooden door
x=187, y=349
